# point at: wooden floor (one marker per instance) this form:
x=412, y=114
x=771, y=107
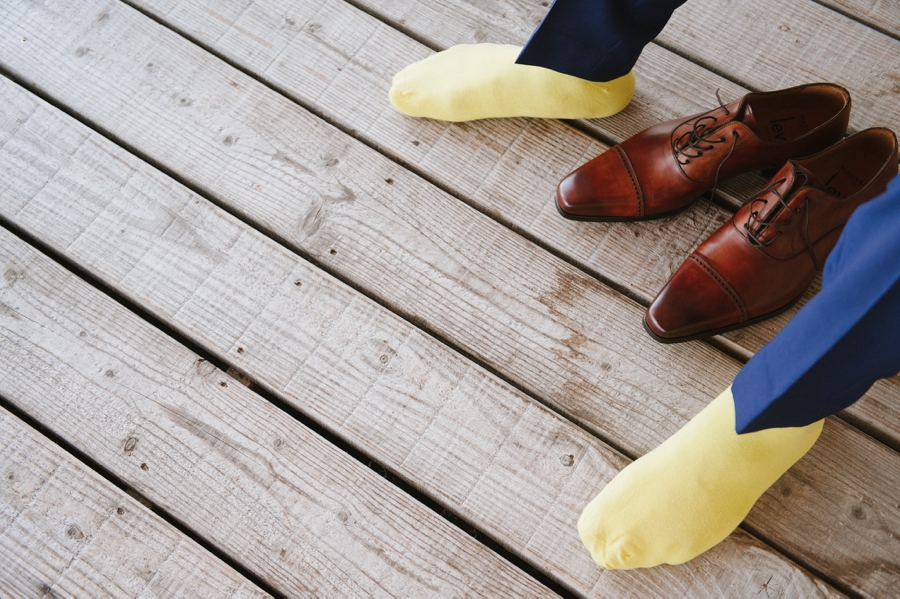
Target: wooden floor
x=261, y=334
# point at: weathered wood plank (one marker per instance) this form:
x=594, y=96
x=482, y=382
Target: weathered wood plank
x=65, y=531
x=531, y=316
x=770, y=44
x=480, y=448
x=264, y=489
x=419, y=250
x=883, y=15
x=340, y=61
x=875, y=577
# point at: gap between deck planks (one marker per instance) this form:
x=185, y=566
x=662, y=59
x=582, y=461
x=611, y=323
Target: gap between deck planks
x=344, y=228
x=883, y=15
x=479, y=447
x=337, y=60
x=276, y=498
x=66, y=531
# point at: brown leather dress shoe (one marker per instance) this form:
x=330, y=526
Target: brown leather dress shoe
x=663, y=169
x=761, y=261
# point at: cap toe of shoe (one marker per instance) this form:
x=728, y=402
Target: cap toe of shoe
x=696, y=301
x=602, y=188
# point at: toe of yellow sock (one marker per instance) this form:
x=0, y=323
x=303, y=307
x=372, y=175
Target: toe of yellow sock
x=401, y=98
x=610, y=554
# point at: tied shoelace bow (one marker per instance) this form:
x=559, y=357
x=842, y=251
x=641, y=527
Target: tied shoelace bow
x=700, y=134
x=767, y=221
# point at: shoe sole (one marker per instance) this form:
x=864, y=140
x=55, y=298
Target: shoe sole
x=618, y=219
x=767, y=173
x=725, y=329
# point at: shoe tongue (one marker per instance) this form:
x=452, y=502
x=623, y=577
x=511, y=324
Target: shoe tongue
x=803, y=177
x=748, y=118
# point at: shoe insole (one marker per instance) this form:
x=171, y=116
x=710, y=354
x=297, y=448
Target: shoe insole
x=787, y=115
x=844, y=176
x=782, y=124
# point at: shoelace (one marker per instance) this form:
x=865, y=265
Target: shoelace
x=754, y=238
x=700, y=133
x=715, y=188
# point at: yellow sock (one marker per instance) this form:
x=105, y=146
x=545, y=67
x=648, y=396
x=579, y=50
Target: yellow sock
x=689, y=493
x=482, y=81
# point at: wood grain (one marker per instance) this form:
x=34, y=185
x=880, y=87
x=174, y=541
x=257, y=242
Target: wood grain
x=65, y=531
x=531, y=316
x=274, y=496
x=479, y=448
x=418, y=250
x=340, y=61
x=883, y=15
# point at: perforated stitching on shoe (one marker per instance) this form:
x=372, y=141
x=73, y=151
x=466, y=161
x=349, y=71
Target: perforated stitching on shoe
x=723, y=284
x=639, y=197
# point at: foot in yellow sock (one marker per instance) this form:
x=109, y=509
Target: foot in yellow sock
x=482, y=81
x=689, y=493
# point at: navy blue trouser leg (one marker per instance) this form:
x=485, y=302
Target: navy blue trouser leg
x=598, y=40
x=843, y=340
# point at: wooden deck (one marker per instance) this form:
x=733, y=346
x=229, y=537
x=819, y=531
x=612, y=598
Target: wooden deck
x=261, y=334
